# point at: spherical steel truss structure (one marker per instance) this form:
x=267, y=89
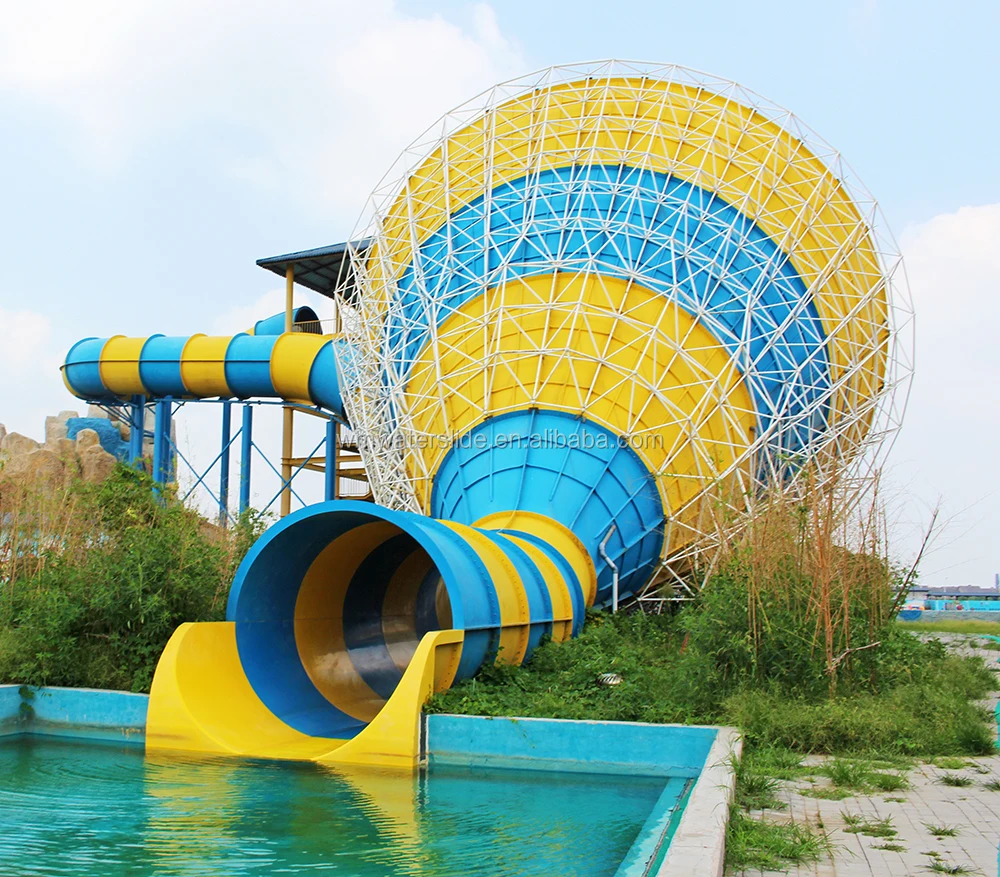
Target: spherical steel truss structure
x=661, y=255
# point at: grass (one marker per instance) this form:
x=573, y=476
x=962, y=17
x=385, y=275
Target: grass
x=944, y=868
x=858, y=824
x=949, y=763
x=956, y=780
x=992, y=786
x=953, y=626
x=890, y=847
x=771, y=846
x=861, y=775
x=941, y=830
x=895, y=800
x=827, y=793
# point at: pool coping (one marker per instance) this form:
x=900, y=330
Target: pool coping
x=699, y=844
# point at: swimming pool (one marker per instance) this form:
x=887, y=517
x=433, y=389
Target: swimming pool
x=74, y=808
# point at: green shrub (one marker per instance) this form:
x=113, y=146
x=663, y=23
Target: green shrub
x=105, y=589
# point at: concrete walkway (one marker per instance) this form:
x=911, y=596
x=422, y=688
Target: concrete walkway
x=973, y=811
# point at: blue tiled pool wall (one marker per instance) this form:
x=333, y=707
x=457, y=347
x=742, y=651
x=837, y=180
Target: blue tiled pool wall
x=560, y=744
x=85, y=713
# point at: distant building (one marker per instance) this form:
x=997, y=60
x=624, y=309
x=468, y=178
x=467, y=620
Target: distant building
x=954, y=597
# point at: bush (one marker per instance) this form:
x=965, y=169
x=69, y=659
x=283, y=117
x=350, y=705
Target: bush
x=924, y=703
x=97, y=577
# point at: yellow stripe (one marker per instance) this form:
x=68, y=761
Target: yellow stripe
x=119, y=365
x=693, y=134
x=607, y=343
x=203, y=366
x=319, y=620
x=515, y=614
x=291, y=361
x=562, y=601
x=561, y=538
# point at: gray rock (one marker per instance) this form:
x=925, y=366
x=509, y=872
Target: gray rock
x=14, y=444
x=96, y=464
x=86, y=438
x=42, y=466
x=55, y=428
x=64, y=448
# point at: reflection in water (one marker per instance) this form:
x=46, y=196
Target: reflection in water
x=72, y=808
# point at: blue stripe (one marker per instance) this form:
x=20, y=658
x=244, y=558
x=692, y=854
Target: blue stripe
x=248, y=365
x=535, y=589
x=160, y=366
x=83, y=369
x=670, y=236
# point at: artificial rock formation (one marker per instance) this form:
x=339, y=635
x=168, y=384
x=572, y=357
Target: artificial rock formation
x=59, y=458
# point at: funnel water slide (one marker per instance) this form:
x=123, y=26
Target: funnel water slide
x=603, y=313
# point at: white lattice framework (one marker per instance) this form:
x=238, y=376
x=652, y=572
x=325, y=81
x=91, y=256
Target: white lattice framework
x=409, y=398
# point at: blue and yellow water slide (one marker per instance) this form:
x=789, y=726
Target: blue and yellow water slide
x=677, y=267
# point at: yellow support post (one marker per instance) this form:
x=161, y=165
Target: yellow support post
x=287, y=411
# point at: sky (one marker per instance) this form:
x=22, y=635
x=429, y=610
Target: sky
x=151, y=152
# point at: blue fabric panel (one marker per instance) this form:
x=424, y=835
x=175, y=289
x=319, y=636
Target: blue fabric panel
x=672, y=236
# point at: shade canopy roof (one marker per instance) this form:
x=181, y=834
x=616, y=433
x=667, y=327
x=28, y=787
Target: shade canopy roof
x=323, y=270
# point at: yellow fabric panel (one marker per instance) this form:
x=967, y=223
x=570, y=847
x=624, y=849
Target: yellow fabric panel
x=119, y=365
x=562, y=600
x=319, y=620
x=515, y=614
x=561, y=538
x=203, y=366
x=291, y=361
x=615, y=352
x=196, y=710
x=693, y=134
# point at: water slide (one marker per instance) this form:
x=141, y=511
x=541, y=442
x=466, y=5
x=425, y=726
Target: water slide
x=591, y=336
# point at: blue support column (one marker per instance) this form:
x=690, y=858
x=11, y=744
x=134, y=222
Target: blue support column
x=136, y=430
x=227, y=422
x=246, y=447
x=330, y=486
x=161, y=443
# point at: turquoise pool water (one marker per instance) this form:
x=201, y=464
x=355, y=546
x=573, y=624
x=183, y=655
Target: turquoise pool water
x=69, y=808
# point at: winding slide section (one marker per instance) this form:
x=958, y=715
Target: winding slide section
x=588, y=309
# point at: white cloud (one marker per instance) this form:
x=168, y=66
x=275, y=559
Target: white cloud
x=318, y=98
x=29, y=371
x=948, y=447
